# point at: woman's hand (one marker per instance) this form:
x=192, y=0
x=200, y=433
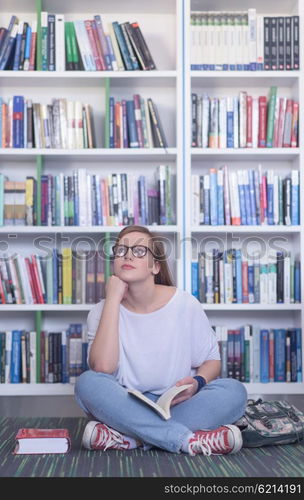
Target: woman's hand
x=116, y=288
x=187, y=393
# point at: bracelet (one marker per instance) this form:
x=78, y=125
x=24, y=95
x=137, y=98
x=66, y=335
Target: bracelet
x=201, y=382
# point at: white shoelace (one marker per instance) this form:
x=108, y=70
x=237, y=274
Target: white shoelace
x=205, y=444
x=108, y=438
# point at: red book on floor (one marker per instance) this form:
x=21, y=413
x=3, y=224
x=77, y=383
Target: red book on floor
x=40, y=441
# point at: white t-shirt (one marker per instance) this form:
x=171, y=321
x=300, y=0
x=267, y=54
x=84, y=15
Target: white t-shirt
x=159, y=348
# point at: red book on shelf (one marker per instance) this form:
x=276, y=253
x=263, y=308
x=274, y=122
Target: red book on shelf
x=98, y=46
x=2, y=294
x=33, y=48
x=30, y=278
x=262, y=122
x=34, y=441
x=245, y=282
x=37, y=280
x=294, y=124
x=94, y=49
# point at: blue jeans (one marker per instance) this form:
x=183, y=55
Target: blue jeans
x=102, y=398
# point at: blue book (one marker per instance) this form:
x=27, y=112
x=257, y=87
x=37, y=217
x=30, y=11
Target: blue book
x=247, y=197
x=110, y=50
x=8, y=45
x=264, y=355
x=238, y=264
x=111, y=124
x=299, y=354
x=55, y=276
x=213, y=197
x=99, y=202
x=230, y=128
x=18, y=47
x=78, y=327
x=220, y=198
x=64, y=360
x=18, y=118
x=293, y=354
x=242, y=198
x=295, y=198
x=27, y=49
x=132, y=129
x=6, y=36
x=279, y=354
x=250, y=281
x=242, y=354
x=252, y=198
x=122, y=45
x=143, y=204
x=16, y=357
x=194, y=279
x=256, y=341
x=207, y=199
x=84, y=353
x=237, y=355
x=125, y=137
x=270, y=214
x=297, y=282
x=230, y=354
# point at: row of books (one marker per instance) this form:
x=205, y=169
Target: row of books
x=48, y=357
x=244, y=121
x=61, y=124
x=244, y=40
x=82, y=199
x=63, y=276
x=254, y=354
x=67, y=124
x=135, y=124
x=74, y=45
x=245, y=197
x=234, y=276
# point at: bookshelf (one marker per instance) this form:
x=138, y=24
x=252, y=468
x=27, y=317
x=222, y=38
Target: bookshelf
x=162, y=27
x=200, y=160
x=166, y=26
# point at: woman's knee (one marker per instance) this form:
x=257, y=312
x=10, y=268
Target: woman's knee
x=235, y=389
x=88, y=379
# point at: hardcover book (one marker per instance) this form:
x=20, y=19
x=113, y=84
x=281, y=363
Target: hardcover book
x=35, y=441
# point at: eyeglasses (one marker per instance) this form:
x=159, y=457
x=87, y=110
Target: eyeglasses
x=138, y=251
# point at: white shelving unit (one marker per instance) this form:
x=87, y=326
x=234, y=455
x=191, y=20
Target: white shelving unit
x=166, y=26
x=198, y=160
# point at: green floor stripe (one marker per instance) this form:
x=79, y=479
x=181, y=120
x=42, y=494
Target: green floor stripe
x=272, y=461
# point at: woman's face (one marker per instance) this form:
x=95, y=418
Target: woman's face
x=132, y=268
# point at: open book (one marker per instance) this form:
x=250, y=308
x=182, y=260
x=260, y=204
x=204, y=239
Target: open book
x=162, y=404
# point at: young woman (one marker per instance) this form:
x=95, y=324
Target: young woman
x=149, y=335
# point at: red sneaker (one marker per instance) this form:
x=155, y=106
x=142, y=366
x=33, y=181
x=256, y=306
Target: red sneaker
x=220, y=441
x=98, y=436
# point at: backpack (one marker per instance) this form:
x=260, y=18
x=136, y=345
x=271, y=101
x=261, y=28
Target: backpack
x=267, y=423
